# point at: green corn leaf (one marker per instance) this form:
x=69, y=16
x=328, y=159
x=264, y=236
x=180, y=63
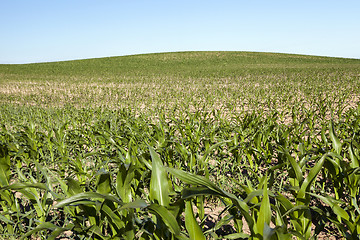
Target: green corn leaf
x=295, y=167
x=166, y=217
x=45, y=172
x=123, y=183
x=191, y=225
x=253, y=194
x=213, y=147
x=298, y=235
x=200, y=204
x=335, y=161
x=21, y=186
x=223, y=221
x=128, y=153
x=357, y=220
x=279, y=221
x=85, y=197
x=268, y=232
x=282, y=233
x=335, y=141
x=354, y=202
x=4, y=166
x=60, y=181
x=236, y=236
x=193, y=179
x=264, y=213
x=197, y=191
x=73, y=187
x=353, y=156
x=113, y=216
x=96, y=230
x=41, y=227
x=295, y=208
x=54, y=235
x=136, y=204
x=159, y=185
x=309, y=179
x=323, y=137
x=334, y=206
x=84, y=202
x=287, y=205
x=6, y=220
x=104, y=183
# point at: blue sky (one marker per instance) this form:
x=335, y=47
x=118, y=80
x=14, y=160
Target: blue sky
x=40, y=31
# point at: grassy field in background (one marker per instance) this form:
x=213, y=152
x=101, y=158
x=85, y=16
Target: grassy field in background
x=187, y=145
x=161, y=80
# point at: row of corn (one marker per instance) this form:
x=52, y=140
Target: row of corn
x=123, y=176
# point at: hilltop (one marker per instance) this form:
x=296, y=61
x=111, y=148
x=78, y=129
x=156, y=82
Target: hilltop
x=181, y=64
x=244, y=80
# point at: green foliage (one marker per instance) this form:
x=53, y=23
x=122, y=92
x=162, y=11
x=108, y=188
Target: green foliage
x=196, y=145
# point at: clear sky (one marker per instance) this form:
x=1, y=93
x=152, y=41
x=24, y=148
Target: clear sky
x=53, y=30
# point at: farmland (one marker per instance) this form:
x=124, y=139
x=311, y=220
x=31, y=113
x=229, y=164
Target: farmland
x=190, y=145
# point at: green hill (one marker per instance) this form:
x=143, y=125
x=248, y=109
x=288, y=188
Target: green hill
x=181, y=64
x=183, y=78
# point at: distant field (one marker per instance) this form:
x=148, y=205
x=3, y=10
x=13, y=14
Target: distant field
x=188, y=145
x=240, y=80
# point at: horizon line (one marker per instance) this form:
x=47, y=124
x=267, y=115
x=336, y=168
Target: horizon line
x=180, y=51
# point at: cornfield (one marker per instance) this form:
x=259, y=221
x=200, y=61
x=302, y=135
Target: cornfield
x=194, y=145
